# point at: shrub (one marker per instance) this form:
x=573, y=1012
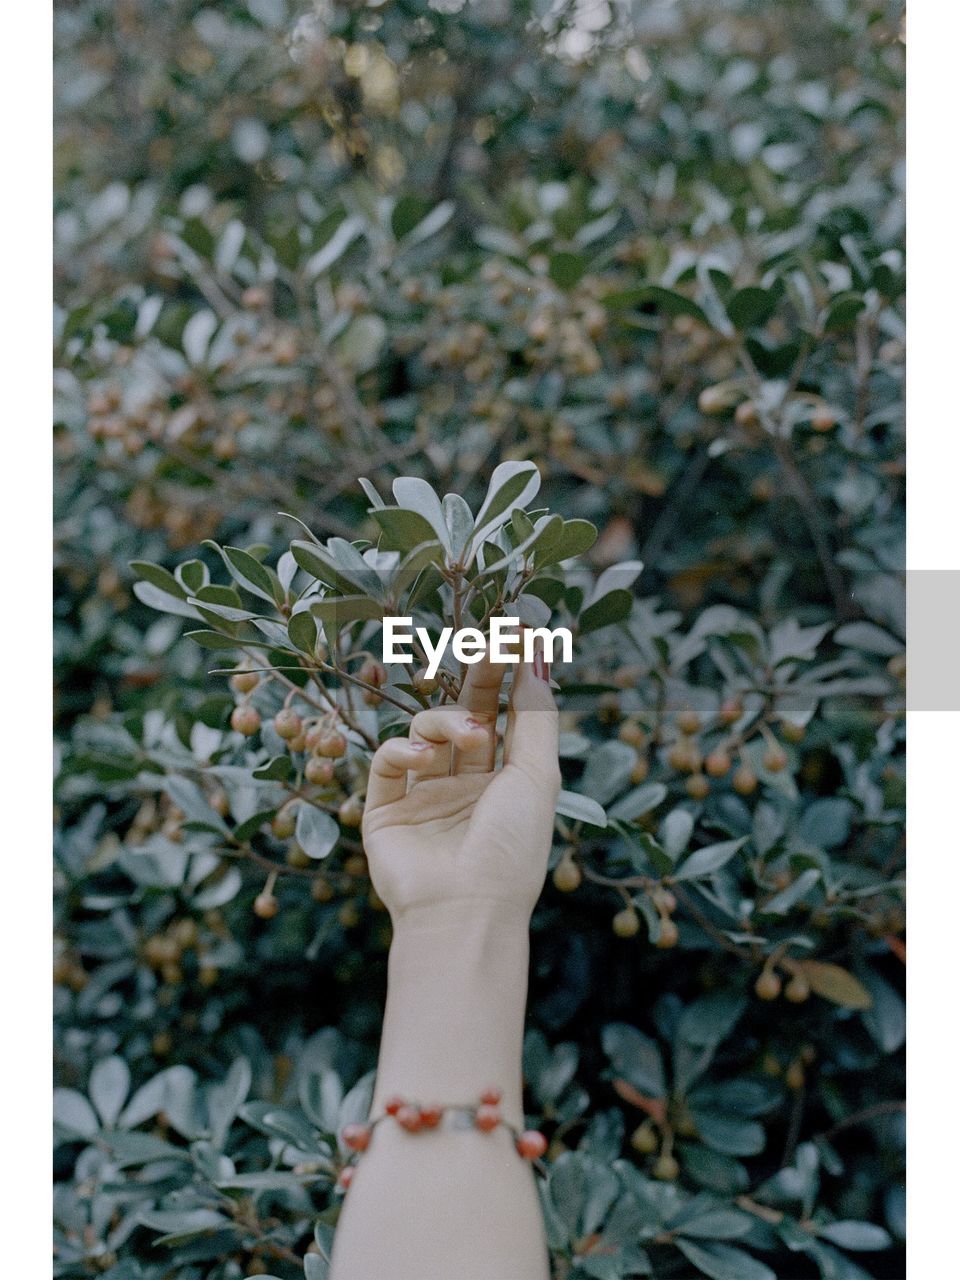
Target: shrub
x=654, y=269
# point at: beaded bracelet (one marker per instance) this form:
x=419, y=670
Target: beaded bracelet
x=484, y=1115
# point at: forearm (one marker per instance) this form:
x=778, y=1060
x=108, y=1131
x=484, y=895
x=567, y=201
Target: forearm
x=449, y=1204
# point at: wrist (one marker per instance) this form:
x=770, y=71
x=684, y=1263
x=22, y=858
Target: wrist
x=455, y=1004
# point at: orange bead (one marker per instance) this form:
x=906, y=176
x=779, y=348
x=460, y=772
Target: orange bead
x=487, y=1118
x=356, y=1136
x=531, y=1144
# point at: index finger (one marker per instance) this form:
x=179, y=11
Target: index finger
x=480, y=695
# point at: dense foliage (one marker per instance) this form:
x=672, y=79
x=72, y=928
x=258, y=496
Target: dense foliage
x=647, y=261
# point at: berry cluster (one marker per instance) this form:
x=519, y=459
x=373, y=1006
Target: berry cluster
x=484, y=1115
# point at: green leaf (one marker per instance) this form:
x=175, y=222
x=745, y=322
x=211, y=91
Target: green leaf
x=580, y=808
x=193, y=575
x=886, y=1020
x=279, y=769
x=252, y=575
x=513, y=484
x=566, y=269
x=317, y=832
x=459, y=521
x=639, y=801
x=414, y=494
x=109, y=1086
x=730, y=1135
x=360, y=344
x=787, y=898
x=428, y=225
x=849, y=1234
x=73, y=1113
x=320, y=564
x=164, y=601
x=610, y=609
x=212, y=639
x=724, y=1261
x=675, y=831
x=159, y=577
x=715, y=1224
x=635, y=1058
x=842, y=312
x=340, y=611
x=608, y=770
x=705, y=861
x=225, y=1100
x=302, y=630
x=709, y=1020
x=402, y=530
x=370, y=490
x=340, y=241
x=577, y=538
x=752, y=306
x=668, y=301
x=868, y=637
x=129, y=1149
x=826, y=822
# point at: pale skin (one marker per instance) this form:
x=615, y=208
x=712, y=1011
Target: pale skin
x=458, y=848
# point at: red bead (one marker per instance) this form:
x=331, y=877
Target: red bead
x=356, y=1136
x=409, y=1118
x=430, y=1117
x=531, y=1144
x=491, y=1097
x=487, y=1117
x=393, y=1106
x=346, y=1177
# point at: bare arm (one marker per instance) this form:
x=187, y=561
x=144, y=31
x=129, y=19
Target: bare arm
x=459, y=859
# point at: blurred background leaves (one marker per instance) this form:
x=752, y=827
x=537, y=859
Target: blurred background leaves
x=655, y=249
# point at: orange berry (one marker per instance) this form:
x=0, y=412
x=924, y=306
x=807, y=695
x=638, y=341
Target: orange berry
x=797, y=989
x=698, y=786
x=640, y=770
x=266, y=906
x=284, y=822
x=669, y=935
x=626, y=923
x=245, y=719
x=731, y=709
x=717, y=763
x=287, y=724
x=318, y=771
x=666, y=1169
x=768, y=985
x=332, y=744
x=744, y=781
x=688, y=721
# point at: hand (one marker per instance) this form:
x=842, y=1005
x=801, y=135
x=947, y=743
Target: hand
x=441, y=822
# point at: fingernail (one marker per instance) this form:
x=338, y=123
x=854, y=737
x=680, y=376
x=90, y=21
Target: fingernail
x=420, y=746
x=474, y=724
